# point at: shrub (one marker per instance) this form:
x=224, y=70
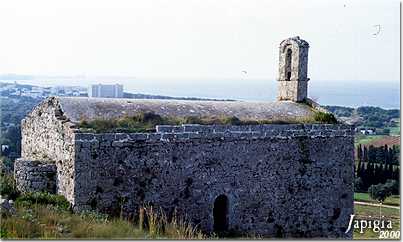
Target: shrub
x=379, y=192
x=231, y=120
x=146, y=122
x=29, y=199
x=323, y=117
x=3, y=233
x=392, y=186
x=8, y=187
x=6, y=165
x=148, y=117
x=358, y=185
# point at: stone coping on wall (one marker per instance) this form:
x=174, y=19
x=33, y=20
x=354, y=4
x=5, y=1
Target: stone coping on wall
x=223, y=132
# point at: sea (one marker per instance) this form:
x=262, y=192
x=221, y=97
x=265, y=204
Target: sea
x=384, y=94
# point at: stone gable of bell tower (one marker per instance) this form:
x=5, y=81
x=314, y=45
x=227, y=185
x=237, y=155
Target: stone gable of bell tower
x=293, y=68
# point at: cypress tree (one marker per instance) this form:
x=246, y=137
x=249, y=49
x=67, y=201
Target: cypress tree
x=365, y=154
x=396, y=174
x=385, y=154
x=359, y=153
x=358, y=173
x=389, y=173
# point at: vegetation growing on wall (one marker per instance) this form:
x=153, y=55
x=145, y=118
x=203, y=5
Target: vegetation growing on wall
x=323, y=117
x=146, y=122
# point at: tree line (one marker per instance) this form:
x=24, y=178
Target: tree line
x=383, y=154
x=368, y=174
x=377, y=166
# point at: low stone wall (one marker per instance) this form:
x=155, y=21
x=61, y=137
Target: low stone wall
x=222, y=132
x=34, y=176
x=285, y=130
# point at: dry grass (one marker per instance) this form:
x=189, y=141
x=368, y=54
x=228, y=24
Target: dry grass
x=47, y=222
x=160, y=226
x=39, y=221
x=146, y=122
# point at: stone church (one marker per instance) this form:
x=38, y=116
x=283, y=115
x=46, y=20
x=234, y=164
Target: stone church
x=286, y=179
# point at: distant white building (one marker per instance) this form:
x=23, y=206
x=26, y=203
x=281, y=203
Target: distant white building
x=368, y=131
x=108, y=90
x=68, y=91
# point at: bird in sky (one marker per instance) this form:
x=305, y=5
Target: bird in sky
x=378, y=29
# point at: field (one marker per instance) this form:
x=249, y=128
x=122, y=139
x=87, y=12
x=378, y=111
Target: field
x=374, y=213
x=386, y=140
x=371, y=212
x=364, y=197
x=395, y=130
x=366, y=139
x=376, y=140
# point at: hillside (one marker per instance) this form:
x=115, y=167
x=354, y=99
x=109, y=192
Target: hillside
x=375, y=117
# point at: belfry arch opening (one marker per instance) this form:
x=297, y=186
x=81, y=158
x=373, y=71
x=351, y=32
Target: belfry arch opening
x=220, y=213
x=288, y=64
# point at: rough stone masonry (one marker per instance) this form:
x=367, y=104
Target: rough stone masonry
x=274, y=180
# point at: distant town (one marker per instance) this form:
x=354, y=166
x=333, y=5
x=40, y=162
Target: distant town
x=18, y=90
x=97, y=90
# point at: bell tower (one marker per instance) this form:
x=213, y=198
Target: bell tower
x=293, y=68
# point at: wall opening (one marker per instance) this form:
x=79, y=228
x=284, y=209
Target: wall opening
x=220, y=213
x=288, y=60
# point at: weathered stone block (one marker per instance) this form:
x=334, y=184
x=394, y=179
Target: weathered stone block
x=34, y=176
x=192, y=128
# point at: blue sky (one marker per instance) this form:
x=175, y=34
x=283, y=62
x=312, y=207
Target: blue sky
x=202, y=40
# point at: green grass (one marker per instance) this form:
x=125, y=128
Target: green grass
x=365, y=139
x=393, y=200
x=363, y=212
x=43, y=198
x=395, y=130
x=372, y=212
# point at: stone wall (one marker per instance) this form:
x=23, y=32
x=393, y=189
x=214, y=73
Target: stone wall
x=280, y=180
x=47, y=136
x=34, y=176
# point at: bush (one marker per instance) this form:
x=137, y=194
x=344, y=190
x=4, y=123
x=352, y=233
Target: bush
x=379, y=192
x=6, y=165
x=8, y=187
x=323, y=117
x=29, y=199
x=359, y=185
x=146, y=122
x=392, y=186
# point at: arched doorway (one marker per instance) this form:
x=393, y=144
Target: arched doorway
x=220, y=213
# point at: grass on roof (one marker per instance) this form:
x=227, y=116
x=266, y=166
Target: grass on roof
x=146, y=122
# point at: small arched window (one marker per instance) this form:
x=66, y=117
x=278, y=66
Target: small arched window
x=288, y=64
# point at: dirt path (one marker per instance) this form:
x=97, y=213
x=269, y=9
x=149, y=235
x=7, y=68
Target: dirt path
x=375, y=205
